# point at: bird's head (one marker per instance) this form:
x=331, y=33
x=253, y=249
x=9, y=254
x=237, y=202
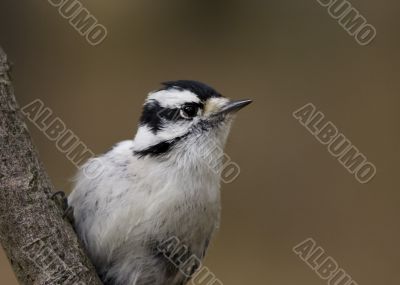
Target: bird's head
x=184, y=113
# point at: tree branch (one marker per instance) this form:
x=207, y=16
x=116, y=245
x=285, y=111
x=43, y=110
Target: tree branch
x=41, y=246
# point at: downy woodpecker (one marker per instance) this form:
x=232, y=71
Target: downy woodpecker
x=159, y=185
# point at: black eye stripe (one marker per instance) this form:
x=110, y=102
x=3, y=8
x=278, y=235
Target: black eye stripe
x=154, y=115
x=194, y=104
x=170, y=114
x=174, y=114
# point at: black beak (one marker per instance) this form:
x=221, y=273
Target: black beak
x=233, y=106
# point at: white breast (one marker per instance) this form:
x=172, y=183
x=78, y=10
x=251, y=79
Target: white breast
x=135, y=199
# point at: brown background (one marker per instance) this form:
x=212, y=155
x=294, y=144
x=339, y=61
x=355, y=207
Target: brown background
x=283, y=54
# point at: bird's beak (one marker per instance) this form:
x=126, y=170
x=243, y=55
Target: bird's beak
x=233, y=106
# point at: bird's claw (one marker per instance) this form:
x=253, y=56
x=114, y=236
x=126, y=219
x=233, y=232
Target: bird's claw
x=61, y=199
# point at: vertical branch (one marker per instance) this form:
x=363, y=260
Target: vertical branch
x=41, y=246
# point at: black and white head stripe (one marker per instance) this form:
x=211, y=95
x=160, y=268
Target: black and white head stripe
x=154, y=116
x=203, y=91
x=171, y=114
x=166, y=103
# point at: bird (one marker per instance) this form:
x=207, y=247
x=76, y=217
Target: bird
x=161, y=184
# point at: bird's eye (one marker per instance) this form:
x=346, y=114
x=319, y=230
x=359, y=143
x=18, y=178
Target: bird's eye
x=189, y=111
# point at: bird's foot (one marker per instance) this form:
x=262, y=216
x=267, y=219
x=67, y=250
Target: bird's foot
x=61, y=200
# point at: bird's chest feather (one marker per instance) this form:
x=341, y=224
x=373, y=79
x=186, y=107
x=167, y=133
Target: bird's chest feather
x=164, y=202
x=183, y=199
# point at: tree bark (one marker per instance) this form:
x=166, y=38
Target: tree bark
x=41, y=246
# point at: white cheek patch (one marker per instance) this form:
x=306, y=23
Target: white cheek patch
x=173, y=130
x=144, y=138
x=213, y=105
x=173, y=98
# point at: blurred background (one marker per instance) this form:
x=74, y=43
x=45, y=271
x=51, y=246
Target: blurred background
x=283, y=54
